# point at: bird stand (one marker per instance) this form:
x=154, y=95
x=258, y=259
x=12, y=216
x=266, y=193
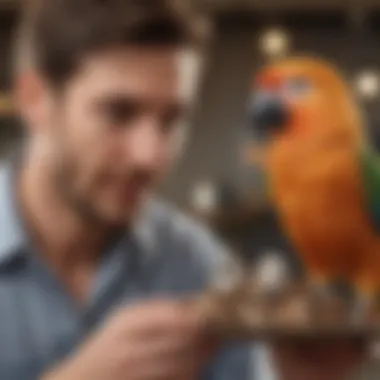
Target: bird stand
x=247, y=308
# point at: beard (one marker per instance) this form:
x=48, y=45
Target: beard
x=75, y=184
x=64, y=174
x=86, y=180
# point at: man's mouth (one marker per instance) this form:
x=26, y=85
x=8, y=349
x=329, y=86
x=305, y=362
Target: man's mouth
x=131, y=190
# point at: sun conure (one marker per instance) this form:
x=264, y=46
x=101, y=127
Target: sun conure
x=323, y=174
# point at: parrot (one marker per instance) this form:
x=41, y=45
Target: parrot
x=322, y=173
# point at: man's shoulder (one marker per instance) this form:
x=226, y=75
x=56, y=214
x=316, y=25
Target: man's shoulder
x=173, y=228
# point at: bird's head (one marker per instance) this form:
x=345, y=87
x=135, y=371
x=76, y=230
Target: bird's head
x=299, y=97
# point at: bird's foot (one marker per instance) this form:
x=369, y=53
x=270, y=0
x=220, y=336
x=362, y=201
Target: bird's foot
x=362, y=309
x=319, y=296
x=366, y=298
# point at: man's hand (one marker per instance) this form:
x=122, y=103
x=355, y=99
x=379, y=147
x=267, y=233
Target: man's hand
x=318, y=359
x=159, y=340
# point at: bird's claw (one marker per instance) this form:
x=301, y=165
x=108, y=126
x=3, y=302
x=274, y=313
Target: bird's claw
x=320, y=293
x=361, y=310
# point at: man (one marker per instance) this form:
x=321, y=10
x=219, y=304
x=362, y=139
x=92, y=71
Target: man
x=93, y=271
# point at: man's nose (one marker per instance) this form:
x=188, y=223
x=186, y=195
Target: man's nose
x=145, y=146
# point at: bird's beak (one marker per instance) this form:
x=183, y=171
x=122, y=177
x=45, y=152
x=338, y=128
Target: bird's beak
x=268, y=113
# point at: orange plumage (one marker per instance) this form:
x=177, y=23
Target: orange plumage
x=314, y=173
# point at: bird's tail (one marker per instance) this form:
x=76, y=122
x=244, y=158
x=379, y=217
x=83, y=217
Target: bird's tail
x=367, y=284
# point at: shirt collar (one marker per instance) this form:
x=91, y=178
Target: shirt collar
x=12, y=235
x=145, y=231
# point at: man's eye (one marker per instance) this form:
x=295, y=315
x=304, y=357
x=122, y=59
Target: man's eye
x=119, y=113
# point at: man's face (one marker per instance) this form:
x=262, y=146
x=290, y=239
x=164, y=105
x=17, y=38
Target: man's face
x=113, y=130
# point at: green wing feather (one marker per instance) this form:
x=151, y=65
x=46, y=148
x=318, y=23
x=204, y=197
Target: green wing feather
x=370, y=166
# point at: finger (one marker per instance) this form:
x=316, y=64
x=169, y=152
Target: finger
x=173, y=319
x=171, y=368
x=176, y=343
x=168, y=350
x=154, y=317
x=168, y=347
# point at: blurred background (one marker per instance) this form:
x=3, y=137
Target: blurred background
x=212, y=179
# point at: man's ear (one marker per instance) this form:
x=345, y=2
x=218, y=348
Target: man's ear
x=32, y=100
x=7, y=104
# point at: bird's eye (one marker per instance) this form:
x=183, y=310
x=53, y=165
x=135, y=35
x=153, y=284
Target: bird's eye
x=297, y=87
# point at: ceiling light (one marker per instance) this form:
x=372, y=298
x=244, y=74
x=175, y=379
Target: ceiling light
x=204, y=197
x=274, y=42
x=272, y=271
x=367, y=84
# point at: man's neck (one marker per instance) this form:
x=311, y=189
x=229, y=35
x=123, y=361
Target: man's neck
x=63, y=238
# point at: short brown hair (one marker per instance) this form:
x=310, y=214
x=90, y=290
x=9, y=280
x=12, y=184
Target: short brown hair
x=58, y=33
